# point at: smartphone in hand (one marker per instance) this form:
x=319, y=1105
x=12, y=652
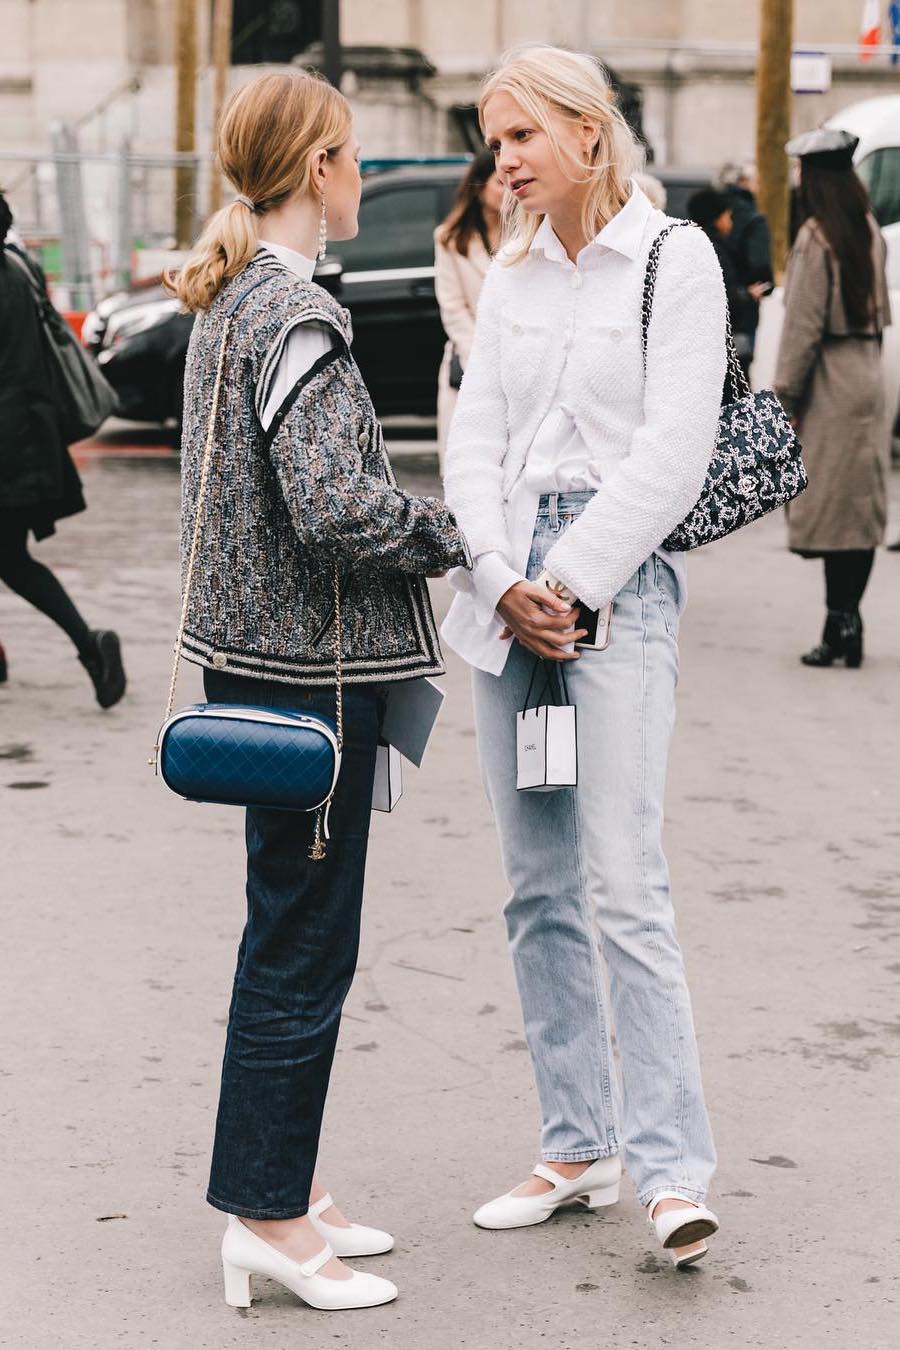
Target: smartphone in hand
x=598, y=623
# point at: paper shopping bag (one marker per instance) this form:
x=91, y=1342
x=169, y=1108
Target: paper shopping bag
x=388, y=787
x=546, y=748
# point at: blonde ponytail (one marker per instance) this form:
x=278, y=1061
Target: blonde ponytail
x=270, y=133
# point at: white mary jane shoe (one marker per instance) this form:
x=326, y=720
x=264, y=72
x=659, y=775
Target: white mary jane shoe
x=598, y=1185
x=357, y=1240
x=244, y=1254
x=682, y=1228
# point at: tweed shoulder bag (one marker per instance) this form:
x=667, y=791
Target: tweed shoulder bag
x=243, y=754
x=756, y=465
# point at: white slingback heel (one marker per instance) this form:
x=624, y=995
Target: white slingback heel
x=597, y=1185
x=682, y=1228
x=244, y=1254
x=357, y=1240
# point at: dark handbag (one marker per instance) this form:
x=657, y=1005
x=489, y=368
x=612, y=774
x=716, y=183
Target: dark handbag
x=456, y=370
x=83, y=397
x=245, y=755
x=756, y=465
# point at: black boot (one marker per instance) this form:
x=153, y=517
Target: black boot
x=831, y=646
x=4, y=669
x=103, y=662
x=852, y=638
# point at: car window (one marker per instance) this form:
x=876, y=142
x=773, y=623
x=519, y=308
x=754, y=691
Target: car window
x=880, y=172
x=395, y=229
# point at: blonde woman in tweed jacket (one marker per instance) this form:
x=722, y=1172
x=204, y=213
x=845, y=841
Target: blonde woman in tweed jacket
x=566, y=468
x=300, y=488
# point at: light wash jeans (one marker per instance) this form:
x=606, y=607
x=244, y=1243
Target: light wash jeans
x=586, y=862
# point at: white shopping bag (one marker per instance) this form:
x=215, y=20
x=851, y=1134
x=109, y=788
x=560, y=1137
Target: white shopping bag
x=546, y=736
x=388, y=788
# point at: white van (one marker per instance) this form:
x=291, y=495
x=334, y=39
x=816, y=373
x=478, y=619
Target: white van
x=876, y=121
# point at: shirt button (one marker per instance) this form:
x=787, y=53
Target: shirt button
x=616, y=335
x=576, y=281
x=219, y=660
x=517, y=329
x=363, y=440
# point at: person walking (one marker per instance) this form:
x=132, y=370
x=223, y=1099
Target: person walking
x=828, y=377
x=712, y=211
x=299, y=483
x=566, y=469
x=463, y=246
x=750, y=247
x=39, y=484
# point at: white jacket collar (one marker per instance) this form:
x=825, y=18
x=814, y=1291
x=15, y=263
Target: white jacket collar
x=623, y=233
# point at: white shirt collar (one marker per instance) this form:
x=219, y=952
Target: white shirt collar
x=297, y=262
x=623, y=233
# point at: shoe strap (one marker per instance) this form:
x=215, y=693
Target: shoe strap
x=546, y=1174
x=315, y=1263
x=320, y=1206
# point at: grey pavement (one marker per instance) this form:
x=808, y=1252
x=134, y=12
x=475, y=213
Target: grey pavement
x=122, y=908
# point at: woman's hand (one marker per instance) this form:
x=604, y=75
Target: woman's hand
x=523, y=609
x=759, y=289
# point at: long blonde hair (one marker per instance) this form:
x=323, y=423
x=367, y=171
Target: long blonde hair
x=270, y=132
x=547, y=80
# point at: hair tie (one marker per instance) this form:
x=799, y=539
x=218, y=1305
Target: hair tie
x=245, y=201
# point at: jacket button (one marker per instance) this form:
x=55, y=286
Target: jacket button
x=517, y=329
x=219, y=659
x=616, y=335
x=363, y=440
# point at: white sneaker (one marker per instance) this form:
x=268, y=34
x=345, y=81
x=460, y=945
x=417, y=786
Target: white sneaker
x=596, y=1186
x=357, y=1240
x=244, y=1254
x=682, y=1228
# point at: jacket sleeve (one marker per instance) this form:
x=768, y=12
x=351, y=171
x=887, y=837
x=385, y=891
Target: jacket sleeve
x=806, y=298
x=661, y=478
x=457, y=318
x=340, y=508
x=477, y=443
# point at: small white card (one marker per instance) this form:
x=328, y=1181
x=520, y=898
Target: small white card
x=412, y=710
x=546, y=748
x=388, y=787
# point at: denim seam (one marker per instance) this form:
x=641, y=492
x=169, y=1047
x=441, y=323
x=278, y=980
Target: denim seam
x=650, y=926
x=244, y=1212
x=696, y=1193
x=606, y=1065
x=578, y=1155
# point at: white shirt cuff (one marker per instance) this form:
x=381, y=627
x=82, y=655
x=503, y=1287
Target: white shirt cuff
x=491, y=578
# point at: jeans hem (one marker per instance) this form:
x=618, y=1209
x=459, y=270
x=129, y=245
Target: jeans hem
x=695, y=1193
x=579, y=1154
x=245, y=1212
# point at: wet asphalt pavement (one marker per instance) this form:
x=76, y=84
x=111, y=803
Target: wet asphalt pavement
x=122, y=908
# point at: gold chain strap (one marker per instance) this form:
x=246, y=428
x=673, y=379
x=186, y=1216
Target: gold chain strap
x=317, y=850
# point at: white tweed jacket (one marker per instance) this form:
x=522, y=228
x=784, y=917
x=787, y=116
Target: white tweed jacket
x=652, y=438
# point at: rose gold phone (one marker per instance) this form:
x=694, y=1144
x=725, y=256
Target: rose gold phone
x=598, y=624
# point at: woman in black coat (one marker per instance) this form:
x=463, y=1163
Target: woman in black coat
x=38, y=481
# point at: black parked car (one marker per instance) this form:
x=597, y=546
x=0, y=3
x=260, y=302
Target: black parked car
x=385, y=277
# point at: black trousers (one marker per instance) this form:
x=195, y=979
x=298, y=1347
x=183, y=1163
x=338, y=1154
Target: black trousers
x=847, y=574
x=35, y=582
x=295, y=965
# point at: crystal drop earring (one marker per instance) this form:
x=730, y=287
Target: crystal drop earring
x=323, y=232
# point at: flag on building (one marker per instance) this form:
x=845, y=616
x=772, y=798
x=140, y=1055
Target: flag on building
x=894, y=21
x=870, y=30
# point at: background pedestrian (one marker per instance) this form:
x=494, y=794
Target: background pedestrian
x=750, y=246
x=39, y=484
x=712, y=211
x=463, y=246
x=829, y=378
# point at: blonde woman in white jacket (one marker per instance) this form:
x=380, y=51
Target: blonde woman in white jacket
x=567, y=467
x=464, y=244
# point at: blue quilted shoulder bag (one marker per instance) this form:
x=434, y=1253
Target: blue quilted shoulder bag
x=756, y=465
x=243, y=754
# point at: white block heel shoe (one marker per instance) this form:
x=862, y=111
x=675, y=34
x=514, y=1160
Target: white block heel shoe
x=357, y=1240
x=597, y=1186
x=244, y=1254
x=680, y=1228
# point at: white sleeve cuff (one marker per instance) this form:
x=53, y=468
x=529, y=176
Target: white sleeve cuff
x=491, y=578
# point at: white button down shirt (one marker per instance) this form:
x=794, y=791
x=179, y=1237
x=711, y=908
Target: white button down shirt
x=554, y=400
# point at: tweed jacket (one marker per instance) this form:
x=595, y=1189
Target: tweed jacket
x=283, y=506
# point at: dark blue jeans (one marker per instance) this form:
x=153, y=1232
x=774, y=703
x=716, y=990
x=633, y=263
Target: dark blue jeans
x=295, y=965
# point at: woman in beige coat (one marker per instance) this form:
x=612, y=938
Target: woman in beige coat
x=463, y=246
x=829, y=379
